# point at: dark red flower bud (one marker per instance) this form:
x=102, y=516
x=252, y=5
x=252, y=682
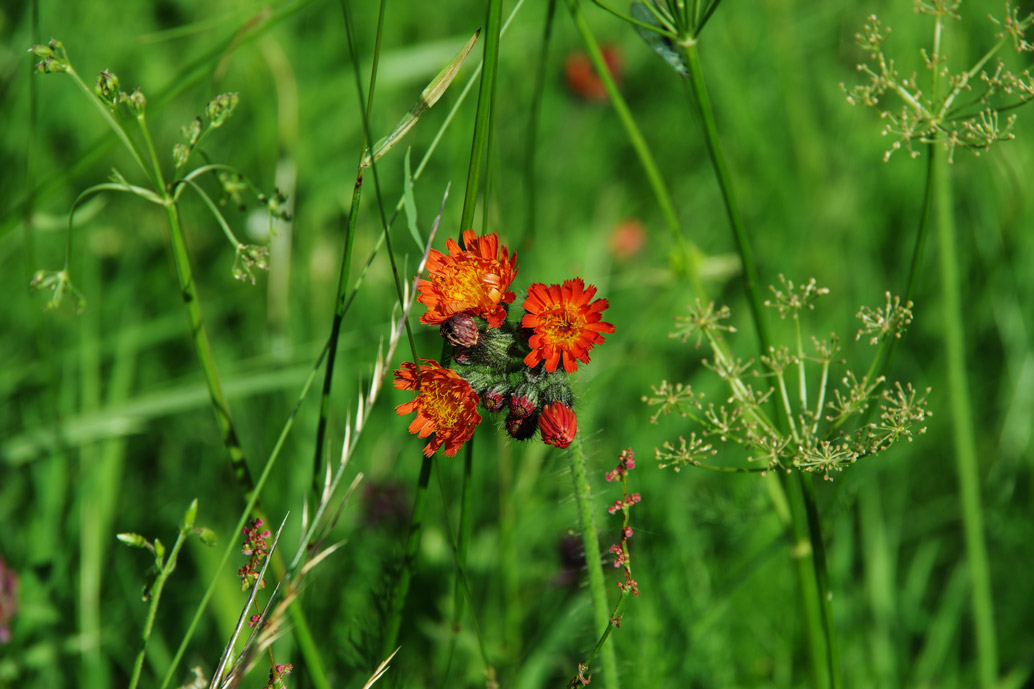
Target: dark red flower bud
x=521, y=427
x=494, y=399
x=521, y=407
x=460, y=330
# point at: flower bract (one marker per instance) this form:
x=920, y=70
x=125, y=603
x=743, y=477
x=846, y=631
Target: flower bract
x=445, y=405
x=472, y=281
x=566, y=323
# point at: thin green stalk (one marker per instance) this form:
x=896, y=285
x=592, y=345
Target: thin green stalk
x=203, y=349
x=486, y=96
x=590, y=541
x=466, y=527
x=533, y=126
x=702, y=100
x=397, y=599
x=688, y=255
x=963, y=436
x=787, y=502
x=155, y=592
x=341, y=303
x=821, y=577
x=509, y=560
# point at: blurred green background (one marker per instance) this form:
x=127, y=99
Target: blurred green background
x=105, y=424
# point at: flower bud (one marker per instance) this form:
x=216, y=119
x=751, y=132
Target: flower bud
x=107, y=89
x=460, y=331
x=220, y=108
x=521, y=427
x=53, y=57
x=495, y=398
x=553, y=387
x=558, y=425
x=521, y=407
x=136, y=102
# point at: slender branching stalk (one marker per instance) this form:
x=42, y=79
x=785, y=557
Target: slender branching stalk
x=687, y=257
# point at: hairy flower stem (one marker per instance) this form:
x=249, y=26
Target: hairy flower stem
x=690, y=54
x=400, y=589
x=590, y=541
x=687, y=259
x=962, y=427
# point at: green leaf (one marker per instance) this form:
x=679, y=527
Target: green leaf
x=430, y=95
x=658, y=43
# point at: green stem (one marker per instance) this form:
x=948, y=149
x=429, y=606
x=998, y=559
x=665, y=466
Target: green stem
x=787, y=499
x=203, y=349
x=155, y=596
x=533, y=126
x=688, y=257
x=341, y=303
x=821, y=577
x=463, y=539
x=590, y=541
x=961, y=411
x=400, y=590
x=820, y=622
x=486, y=97
x=689, y=51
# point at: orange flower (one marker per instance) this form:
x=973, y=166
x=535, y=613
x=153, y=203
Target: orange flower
x=565, y=323
x=581, y=76
x=445, y=405
x=558, y=425
x=472, y=280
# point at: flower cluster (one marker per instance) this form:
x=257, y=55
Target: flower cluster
x=827, y=427
x=256, y=547
x=503, y=366
x=277, y=674
x=626, y=462
x=966, y=113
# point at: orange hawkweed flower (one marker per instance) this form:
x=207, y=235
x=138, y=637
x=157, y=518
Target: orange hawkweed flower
x=558, y=425
x=445, y=405
x=473, y=281
x=566, y=323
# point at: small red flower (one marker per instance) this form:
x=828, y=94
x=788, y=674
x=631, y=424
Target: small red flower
x=445, y=405
x=558, y=425
x=472, y=281
x=581, y=76
x=566, y=323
